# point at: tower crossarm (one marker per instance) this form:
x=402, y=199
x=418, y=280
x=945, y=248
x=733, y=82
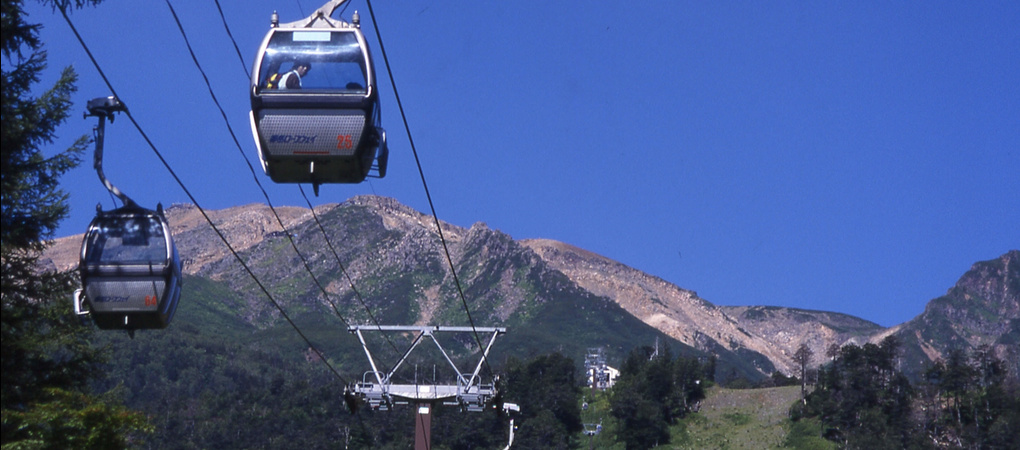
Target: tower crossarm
x=466, y=388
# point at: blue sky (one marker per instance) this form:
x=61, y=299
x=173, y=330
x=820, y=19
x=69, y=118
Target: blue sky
x=855, y=157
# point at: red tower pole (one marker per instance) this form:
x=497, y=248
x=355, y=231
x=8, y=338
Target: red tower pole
x=423, y=427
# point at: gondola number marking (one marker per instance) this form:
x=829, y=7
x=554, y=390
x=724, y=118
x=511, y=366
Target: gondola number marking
x=150, y=300
x=344, y=142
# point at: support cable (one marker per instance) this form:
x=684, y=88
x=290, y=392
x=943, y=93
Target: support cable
x=421, y=173
x=138, y=127
x=254, y=175
x=435, y=216
x=231, y=35
x=346, y=274
x=252, y=169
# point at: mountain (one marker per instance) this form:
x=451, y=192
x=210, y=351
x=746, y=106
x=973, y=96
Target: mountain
x=385, y=263
x=772, y=332
x=395, y=272
x=982, y=309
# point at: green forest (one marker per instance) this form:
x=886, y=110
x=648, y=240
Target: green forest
x=863, y=401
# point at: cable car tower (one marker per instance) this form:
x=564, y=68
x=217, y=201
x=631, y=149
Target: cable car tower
x=314, y=104
x=129, y=266
x=596, y=369
x=469, y=392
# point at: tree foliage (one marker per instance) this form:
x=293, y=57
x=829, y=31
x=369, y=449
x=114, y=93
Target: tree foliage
x=208, y=388
x=47, y=360
x=968, y=402
x=803, y=357
x=863, y=401
x=547, y=390
x=67, y=419
x=653, y=391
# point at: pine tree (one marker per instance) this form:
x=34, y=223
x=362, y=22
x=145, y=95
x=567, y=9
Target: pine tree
x=968, y=401
x=653, y=391
x=803, y=358
x=47, y=360
x=862, y=400
x=546, y=384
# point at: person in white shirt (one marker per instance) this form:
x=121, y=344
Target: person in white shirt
x=292, y=79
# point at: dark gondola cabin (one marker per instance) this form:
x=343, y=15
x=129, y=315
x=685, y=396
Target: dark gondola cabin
x=130, y=270
x=314, y=106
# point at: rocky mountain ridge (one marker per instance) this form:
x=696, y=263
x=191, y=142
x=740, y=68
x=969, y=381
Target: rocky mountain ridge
x=387, y=258
x=981, y=309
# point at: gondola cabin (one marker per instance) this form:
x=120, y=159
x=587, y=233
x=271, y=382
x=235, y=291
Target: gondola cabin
x=314, y=106
x=130, y=270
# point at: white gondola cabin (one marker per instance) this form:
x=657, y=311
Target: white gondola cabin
x=314, y=105
x=130, y=270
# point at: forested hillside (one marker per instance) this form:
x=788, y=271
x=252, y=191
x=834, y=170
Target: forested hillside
x=213, y=379
x=864, y=401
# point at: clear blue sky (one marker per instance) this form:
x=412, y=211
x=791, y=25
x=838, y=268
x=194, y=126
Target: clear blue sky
x=855, y=157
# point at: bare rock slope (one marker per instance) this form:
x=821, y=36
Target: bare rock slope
x=395, y=252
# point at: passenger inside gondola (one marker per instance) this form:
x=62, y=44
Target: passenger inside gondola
x=292, y=78
x=338, y=58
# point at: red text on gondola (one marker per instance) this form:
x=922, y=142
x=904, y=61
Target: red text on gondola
x=344, y=142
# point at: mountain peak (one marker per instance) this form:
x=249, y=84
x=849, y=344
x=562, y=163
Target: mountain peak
x=388, y=258
x=983, y=308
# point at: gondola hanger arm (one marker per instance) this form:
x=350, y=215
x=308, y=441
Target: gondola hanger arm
x=103, y=108
x=320, y=18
